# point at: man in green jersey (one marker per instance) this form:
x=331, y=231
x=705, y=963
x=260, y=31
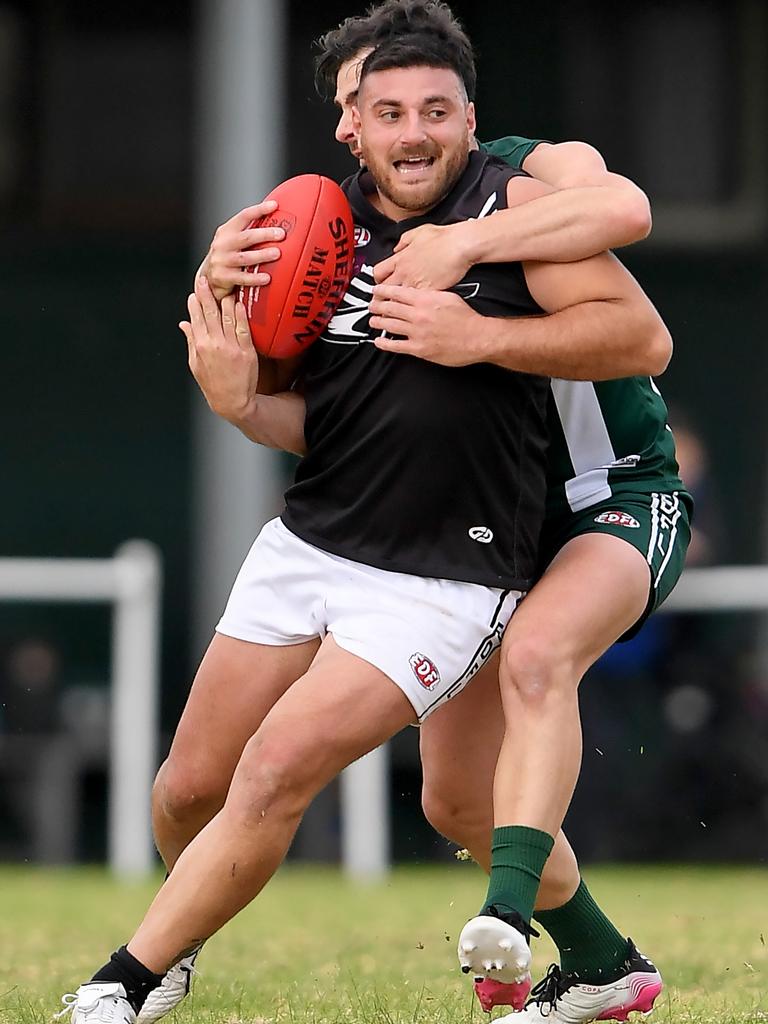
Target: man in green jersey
x=613, y=546
x=591, y=211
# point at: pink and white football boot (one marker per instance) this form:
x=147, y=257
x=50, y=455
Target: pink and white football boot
x=562, y=999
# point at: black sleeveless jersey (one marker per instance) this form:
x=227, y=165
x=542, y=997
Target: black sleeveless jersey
x=414, y=467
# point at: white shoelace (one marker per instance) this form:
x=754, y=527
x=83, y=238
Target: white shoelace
x=69, y=1000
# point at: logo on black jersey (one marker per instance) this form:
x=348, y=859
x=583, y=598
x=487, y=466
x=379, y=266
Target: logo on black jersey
x=349, y=325
x=362, y=236
x=425, y=671
x=482, y=534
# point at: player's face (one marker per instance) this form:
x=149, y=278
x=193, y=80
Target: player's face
x=347, y=80
x=415, y=126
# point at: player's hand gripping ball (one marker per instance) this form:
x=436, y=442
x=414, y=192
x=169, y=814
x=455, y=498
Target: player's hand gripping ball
x=314, y=270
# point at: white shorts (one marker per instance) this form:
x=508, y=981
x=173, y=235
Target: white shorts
x=429, y=636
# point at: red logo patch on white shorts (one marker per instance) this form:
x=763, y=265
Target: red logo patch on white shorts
x=425, y=671
x=618, y=519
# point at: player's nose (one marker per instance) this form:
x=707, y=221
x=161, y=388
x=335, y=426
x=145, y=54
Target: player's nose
x=344, y=130
x=412, y=131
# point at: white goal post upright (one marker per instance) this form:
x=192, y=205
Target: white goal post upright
x=132, y=583
x=134, y=709
x=365, y=814
x=241, y=119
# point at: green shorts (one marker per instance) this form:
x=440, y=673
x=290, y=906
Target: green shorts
x=657, y=524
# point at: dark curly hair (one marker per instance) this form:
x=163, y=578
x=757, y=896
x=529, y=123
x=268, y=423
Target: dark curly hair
x=390, y=20
x=421, y=49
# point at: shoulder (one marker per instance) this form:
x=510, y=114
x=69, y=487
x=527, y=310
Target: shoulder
x=493, y=172
x=564, y=163
x=512, y=149
x=490, y=166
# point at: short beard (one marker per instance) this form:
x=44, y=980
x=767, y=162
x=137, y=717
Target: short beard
x=453, y=170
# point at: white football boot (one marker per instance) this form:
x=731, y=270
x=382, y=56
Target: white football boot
x=495, y=945
x=561, y=999
x=98, y=1002
x=169, y=993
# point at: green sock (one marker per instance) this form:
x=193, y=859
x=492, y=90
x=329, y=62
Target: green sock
x=589, y=945
x=518, y=856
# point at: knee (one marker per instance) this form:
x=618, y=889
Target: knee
x=535, y=670
x=455, y=816
x=183, y=792
x=274, y=778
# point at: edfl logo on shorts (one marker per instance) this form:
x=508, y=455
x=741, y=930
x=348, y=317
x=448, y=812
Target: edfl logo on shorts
x=618, y=519
x=425, y=671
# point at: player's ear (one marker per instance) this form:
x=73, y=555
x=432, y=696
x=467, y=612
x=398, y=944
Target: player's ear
x=356, y=121
x=471, y=122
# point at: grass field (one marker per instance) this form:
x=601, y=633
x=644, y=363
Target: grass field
x=317, y=949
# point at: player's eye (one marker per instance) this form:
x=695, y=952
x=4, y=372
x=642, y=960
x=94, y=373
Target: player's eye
x=436, y=114
x=390, y=115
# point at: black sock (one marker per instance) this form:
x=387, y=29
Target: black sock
x=137, y=980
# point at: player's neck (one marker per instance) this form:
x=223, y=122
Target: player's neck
x=393, y=211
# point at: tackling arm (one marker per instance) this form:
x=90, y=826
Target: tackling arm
x=601, y=325
x=582, y=209
x=591, y=210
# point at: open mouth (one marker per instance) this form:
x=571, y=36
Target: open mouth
x=413, y=164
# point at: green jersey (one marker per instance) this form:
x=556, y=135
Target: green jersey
x=606, y=438
x=512, y=149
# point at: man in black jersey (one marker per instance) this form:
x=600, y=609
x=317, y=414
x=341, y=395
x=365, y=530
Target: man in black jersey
x=591, y=210
x=469, y=554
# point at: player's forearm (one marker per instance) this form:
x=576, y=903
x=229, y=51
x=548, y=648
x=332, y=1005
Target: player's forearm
x=600, y=340
x=276, y=421
x=562, y=227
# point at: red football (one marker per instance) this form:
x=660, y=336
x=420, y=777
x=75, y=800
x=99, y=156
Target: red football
x=313, y=272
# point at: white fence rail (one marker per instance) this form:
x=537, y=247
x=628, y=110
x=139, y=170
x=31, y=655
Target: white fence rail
x=131, y=582
x=720, y=588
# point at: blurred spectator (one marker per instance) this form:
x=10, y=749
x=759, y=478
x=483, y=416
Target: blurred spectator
x=707, y=537
x=30, y=687
x=38, y=768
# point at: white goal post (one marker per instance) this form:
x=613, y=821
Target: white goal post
x=132, y=583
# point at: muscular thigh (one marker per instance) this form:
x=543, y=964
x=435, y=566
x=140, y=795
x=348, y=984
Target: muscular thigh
x=341, y=708
x=595, y=589
x=236, y=685
x=460, y=743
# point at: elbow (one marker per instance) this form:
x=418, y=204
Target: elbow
x=658, y=351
